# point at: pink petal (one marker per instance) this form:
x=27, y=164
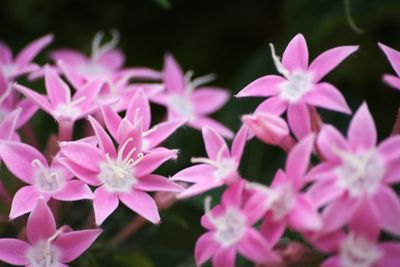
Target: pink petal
x=215, y=145
x=105, y=142
x=304, y=217
x=14, y=251
x=150, y=162
x=72, y=74
x=41, y=224
x=232, y=197
x=338, y=213
x=328, y=60
x=272, y=230
x=24, y=201
x=139, y=107
x=389, y=149
x=392, y=80
x=72, y=191
x=29, y=108
x=199, y=188
x=325, y=95
x=18, y=158
x=207, y=100
x=141, y=203
x=5, y=54
x=329, y=138
x=68, y=56
x=104, y=203
x=299, y=119
x=200, y=122
x=224, y=257
x=154, y=182
x=254, y=247
x=298, y=160
x=160, y=132
x=264, y=86
x=205, y=248
x=362, y=132
x=322, y=171
x=333, y=261
x=216, y=212
x=239, y=143
x=83, y=154
x=30, y=51
x=387, y=208
x=295, y=56
x=274, y=105
x=57, y=90
x=364, y=221
x=393, y=56
x=7, y=126
x=87, y=176
x=113, y=59
x=194, y=174
x=89, y=92
x=39, y=99
x=173, y=75
x=324, y=192
x=111, y=119
x=329, y=243
x=144, y=73
x=391, y=256
x=73, y=244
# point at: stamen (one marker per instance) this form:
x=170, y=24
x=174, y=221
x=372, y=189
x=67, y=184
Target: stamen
x=47, y=250
x=6, y=93
x=98, y=50
x=149, y=131
x=206, y=161
x=207, y=209
x=279, y=67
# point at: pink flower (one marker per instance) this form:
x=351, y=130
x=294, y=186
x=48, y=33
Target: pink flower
x=22, y=63
x=185, y=101
x=45, y=181
x=283, y=202
x=8, y=126
x=46, y=246
x=300, y=85
x=394, y=59
x=221, y=166
x=139, y=110
x=230, y=231
x=123, y=175
x=356, y=176
x=59, y=103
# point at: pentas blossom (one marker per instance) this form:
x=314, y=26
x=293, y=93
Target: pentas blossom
x=394, y=59
x=47, y=246
x=283, y=202
x=59, y=103
x=221, y=166
x=123, y=174
x=184, y=98
x=356, y=175
x=230, y=231
x=45, y=181
x=139, y=111
x=300, y=86
x=22, y=64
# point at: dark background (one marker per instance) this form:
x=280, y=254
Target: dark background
x=225, y=37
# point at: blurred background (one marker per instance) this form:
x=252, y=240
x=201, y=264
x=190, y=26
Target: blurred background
x=226, y=37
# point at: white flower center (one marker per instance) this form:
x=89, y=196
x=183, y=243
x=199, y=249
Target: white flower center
x=298, y=83
x=92, y=69
x=46, y=179
x=8, y=70
x=117, y=174
x=44, y=254
x=360, y=173
x=358, y=252
x=230, y=227
x=69, y=109
x=182, y=105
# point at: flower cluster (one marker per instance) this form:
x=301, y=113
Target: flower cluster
x=334, y=191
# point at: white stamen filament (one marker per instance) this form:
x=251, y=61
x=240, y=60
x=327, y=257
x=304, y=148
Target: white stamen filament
x=192, y=84
x=98, y=50
x=149, y=131
x=47, y=250
x=278, y=64
x=6, y=94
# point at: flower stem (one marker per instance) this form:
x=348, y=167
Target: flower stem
x=65, y=130
x=128, y=230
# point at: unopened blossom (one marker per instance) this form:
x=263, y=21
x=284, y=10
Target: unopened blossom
x=189, y=100
x=47, y=246
x=221, y=166
x=356, y=175
x=283, y=202
x=123, y=174
x=300, y=86
x=139, y=111
x=44, y=181
x=105, y=62
x=22, y=64
x=394, y=59
x=230, y=231
x=59, y=103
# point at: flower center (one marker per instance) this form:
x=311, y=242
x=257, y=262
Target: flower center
x=8, y=70
x=92, y=69
x=68, y=110
x=358, y=252
x=360, y=173
x=44, y=254
x=298, y=83
x=230, y=227
x=46, y=179
x=182, y=105
x=117, y=174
